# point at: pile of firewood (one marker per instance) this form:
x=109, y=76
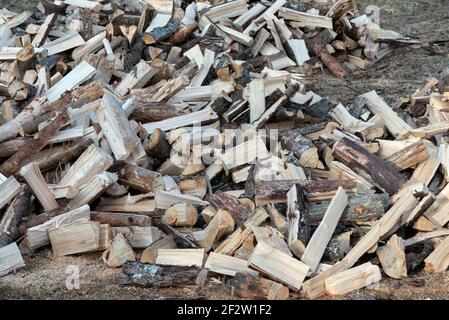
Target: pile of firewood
x=184, y=141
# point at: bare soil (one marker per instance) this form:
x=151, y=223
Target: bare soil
x=400, y=73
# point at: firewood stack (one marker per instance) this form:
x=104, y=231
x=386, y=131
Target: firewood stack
x=183, y=141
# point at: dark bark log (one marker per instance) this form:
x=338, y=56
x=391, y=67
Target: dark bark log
x=116, y=219
x=39, y=219
x=138, y=178
x=220, y=200
x=409, y=156
x=161, y=33
x=361, y=208
x=302, y=148
x=182, y=34
x=267, y=192
x=49, y=7
x=148, y=111
x=13, y=164
x=329, y=61
x=249, y=287
x=299, y=207
x=380, y=173
x=13, y=216
x=153, y=275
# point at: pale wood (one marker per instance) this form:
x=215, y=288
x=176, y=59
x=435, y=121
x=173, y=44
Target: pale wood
x=67, y=42
x=227, y=265
x=255, y=10
x=116, y=127
x=317, y=244
x=35, y=180
x=10, y=259
x=93, y=189
x=92, y=45
x=438, y=212
x=119, y=252
x=164, y=199
x=220, y=225
x=139, y=237
x=180, y=215
x=438, y=260
x=9, y=188
x=237, y=36
x=397, y=127
x=37, y=236
x=150, y=253
x=125, y=204
x=272, y=237
x=353, y=279
x=230, y=245
x=256, y=99
x=43, y=31
x=181, y=257
x=227, y=10
x=91, y=162
x=78, y=75
x=299, y=50
x=75, y=237
x=392, y=258
x=278, y=265
x=305, y=19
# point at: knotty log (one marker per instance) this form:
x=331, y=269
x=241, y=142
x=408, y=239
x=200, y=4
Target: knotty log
x=250, y=287
x=116, y=219
x=146, y=111
x=13, y=215
x=380, y=173
x=361, y=208
x=220, y=200
x=138, y=178
x=153, y=275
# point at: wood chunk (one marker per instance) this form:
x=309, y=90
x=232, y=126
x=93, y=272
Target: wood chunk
x=395, y=125
x=10, y=259
x=278, y=265
x=76, y=237
x=380, y=173
x=221, y=224
x=35, y=180
x=297, y=216
x=251, y=287
x=409, y=156
x=181, y=257
x=137, y=78
x=272, y=237
x=139, y=237
x=227, y=265
x=437, y=213
x=303, y=149
x=93, y=189
x=91, y=162
x=13, y=215
x=116, y=219
x=44, y=30
x=9, y=188
x=37, y=235
x=438, y=260
x=119, y=253
x=139, y=178
x=256, y=99
x=392, y=258
x=221, y=200
x=180, y=215
x=150, y=253
x=158, y=276
x=317, y=244
x=353, y=279
x=305, y=19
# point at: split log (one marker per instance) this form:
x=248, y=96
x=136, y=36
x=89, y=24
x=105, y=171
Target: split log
x=181, y=257
x=278, y=265
x=221, y=200
x=26, y=60
x=150, y=253
x=139, y=178
x=180, y=215
x=183, y=241
x=320, y=238
x=380, y=173
x=161, y=33
x=221, y=224
x=153, y=275
x=157, y=146
x=10, y=259
x=353, y=279
x=119, y=253
x=392, y=258
x=9, y=188
x=227, y=265
x=438, y=260
x=76, y=237
x=360, y=208
x=254, y=288
x=297, y=216
x=13, y=164
x=13, y=215
x=116, y=219
x=146, y=111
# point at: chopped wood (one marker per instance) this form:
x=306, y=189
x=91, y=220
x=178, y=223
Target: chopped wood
x=10, y=259
x=251, y=287
x=278, y=265
x=150, y=253
x=227, y=265
x=181, y=257
x=76, y=237
x=392, y=258
x=180, y=215
x=119, y=252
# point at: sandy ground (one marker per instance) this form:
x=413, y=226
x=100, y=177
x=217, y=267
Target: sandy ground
x=401, y=73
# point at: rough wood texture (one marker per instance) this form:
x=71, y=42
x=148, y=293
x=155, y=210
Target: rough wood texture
x=254, y=288
x=139, y=178
x=380, y=173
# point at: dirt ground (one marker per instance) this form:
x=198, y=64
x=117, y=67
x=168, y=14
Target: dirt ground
x=400, y=73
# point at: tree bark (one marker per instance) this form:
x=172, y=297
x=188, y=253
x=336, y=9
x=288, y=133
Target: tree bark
x=253, y=288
